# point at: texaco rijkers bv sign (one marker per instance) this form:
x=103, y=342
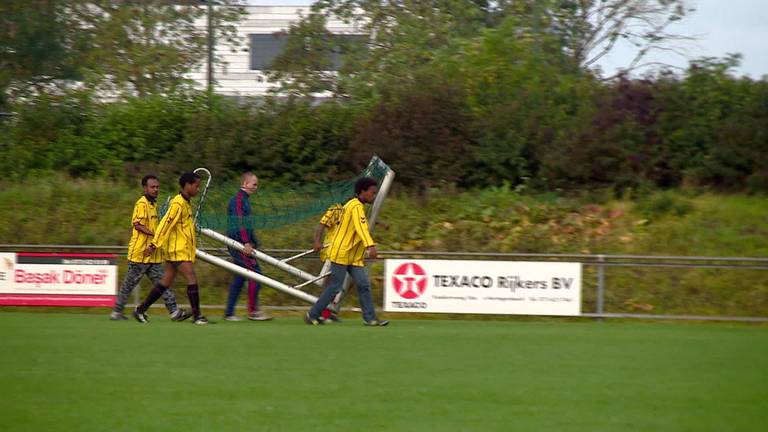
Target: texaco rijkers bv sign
x=485, y=287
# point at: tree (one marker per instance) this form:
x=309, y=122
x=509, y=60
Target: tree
x=592, y=28
x=146, y=47
x=405, y=36
x=401, y=38
x=423, y=131
x=525, y=98
x=619, y=146
x=124, y=47
x=304, y=66
x=714, y=125
x=37, y=43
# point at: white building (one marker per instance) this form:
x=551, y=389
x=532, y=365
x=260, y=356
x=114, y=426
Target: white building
x=242, y=73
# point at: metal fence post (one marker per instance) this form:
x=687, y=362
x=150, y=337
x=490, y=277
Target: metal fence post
x=600, y=285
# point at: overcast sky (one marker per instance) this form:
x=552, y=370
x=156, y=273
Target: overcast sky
x=721, y=26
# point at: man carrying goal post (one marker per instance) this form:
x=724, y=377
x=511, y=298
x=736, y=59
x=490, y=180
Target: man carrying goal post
x=324, y=232
x=350, y=240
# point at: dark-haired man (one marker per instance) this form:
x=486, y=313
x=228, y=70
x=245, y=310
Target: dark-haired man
x=347, y=251
x=177, y=230
x=144, y=223
x=324, y=232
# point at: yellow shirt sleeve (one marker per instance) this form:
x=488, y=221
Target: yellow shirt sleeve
x=166, y=225
x=327, y=218
x=140, y=214
x=360, y=223
x=332, y=216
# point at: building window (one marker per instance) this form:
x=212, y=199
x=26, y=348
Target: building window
x=343, y=45
x=266, y=47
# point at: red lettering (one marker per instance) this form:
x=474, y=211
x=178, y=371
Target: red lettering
x=80, y=278
x=21, y=276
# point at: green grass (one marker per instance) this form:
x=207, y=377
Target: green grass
x=83, y=372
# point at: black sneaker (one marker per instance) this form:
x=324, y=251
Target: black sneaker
x=201, y=320
x=376, y=323
x=141, y=317
x=311, y=321
x=180, y=315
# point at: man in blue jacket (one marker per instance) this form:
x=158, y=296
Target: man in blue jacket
x=240, y=228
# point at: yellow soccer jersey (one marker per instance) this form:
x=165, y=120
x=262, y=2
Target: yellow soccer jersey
x=176, y=232
x=352, y=236
x=331, y=220
x=145, y=213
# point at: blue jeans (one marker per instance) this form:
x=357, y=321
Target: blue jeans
x=338, y=273
x=236, y=286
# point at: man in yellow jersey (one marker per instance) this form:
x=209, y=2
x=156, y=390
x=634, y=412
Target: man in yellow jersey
x=144, y=222
x=329, y=221
x=177, y=233
x=346, y=252
x=327, y=225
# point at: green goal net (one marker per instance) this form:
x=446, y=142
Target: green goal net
x=277, y=207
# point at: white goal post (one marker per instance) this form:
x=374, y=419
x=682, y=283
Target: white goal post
x=283, y=264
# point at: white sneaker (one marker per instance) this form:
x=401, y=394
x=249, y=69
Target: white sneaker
x=232, y=318
x=259, y=316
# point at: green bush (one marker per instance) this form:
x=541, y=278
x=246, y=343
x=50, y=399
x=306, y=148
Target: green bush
x=662, y=204
x=494, y=110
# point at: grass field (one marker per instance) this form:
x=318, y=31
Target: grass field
x=66, y=372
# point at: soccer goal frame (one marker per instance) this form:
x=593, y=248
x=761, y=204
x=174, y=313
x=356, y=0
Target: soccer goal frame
x=282, y=264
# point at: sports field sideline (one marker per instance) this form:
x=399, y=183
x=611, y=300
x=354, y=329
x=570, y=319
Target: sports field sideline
x=70, y=372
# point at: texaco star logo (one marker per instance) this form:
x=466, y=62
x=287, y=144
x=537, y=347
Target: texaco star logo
x=409, y=280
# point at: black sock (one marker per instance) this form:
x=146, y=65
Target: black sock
x=156, y=293
x=194, y=299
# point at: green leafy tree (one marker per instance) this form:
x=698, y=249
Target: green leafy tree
x=401, y=38
x=617, y=146
x=405, y=36
x=525, y=98
x=289, y=140
x=125, y=48
x=38, y=42
x=146, y=47
x=305, y=65
x=35, y=140
x=714, y=124
x=423, y=131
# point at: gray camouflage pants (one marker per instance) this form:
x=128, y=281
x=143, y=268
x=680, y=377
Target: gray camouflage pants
x=135, y=271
